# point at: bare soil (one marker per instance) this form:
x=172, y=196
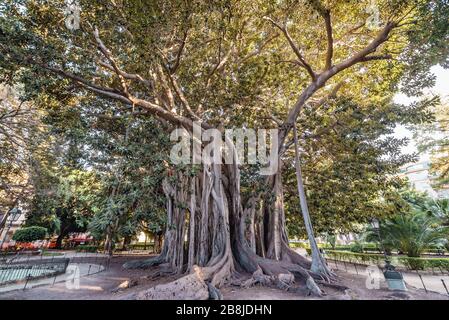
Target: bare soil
x=105, y=286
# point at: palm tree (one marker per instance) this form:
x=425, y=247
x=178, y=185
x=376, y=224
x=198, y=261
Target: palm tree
x=438, y=209
x=410, y=233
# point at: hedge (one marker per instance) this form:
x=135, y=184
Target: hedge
x=366, y=246
x=30, y=234
x=140, y=246
x=87, y=248
x=355, y=256
x=378, y=259
x=424, y=263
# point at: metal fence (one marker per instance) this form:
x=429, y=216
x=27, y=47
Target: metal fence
x=436, y=280
x=26, y=269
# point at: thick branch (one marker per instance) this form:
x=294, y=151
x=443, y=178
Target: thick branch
x=130, y=76
x=371, y=48
x=323, y=77
x=294, y=47
x=155, y=109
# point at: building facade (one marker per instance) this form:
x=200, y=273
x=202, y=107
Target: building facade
x=419, y=176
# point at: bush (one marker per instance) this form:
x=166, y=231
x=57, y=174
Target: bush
x=30, y=234
x=86, y=248
x=378, y=259
x=442, y=264
x=364, y=258
x=357, y=247
x=302, y=245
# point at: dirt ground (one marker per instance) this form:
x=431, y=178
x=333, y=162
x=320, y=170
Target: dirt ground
x=103, y=286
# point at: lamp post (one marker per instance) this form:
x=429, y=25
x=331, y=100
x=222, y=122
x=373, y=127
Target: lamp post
x=394, y=278
x=13, y=215
x=376, y=226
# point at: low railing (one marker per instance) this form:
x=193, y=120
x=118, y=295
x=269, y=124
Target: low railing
x=17, y=270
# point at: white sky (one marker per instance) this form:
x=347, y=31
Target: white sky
x=441, y=88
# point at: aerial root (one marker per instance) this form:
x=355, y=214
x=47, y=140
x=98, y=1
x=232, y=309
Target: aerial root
x=214, y=293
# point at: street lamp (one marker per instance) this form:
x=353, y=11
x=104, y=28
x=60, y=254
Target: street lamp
x=394, y=278
x=13, y=215
x=376, y=226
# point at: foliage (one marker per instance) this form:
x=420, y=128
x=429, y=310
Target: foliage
x=349, y=171
x=357, y=247
x=131, y=199
x=433, y=137
x=64, y=200
x=30, y=234
x=20, y=136
x=87, y=248
x=438, y=208
x=220, y=61
x=410, y=233
x=378, y=259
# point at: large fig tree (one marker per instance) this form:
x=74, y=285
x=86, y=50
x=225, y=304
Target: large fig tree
x=222, y=63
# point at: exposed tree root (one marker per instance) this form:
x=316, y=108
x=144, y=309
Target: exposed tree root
x=332, y=285
x=324, y=271
x=189, y=287
x=214, y=293
x=280, y=273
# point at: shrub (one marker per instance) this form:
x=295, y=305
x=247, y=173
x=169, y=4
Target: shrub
x=299, y=245
x=357, y=247
x=378, y=259
x=140, y=246
x=364, y=258
x=438, y=263
x=30, y=234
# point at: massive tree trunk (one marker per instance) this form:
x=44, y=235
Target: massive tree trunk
x=224, y=238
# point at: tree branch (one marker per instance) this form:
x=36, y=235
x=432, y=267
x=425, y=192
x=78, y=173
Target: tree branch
x=179, y=54
x=323, y=77
x=130, y=76
x=108, y=56
x=294, y=48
